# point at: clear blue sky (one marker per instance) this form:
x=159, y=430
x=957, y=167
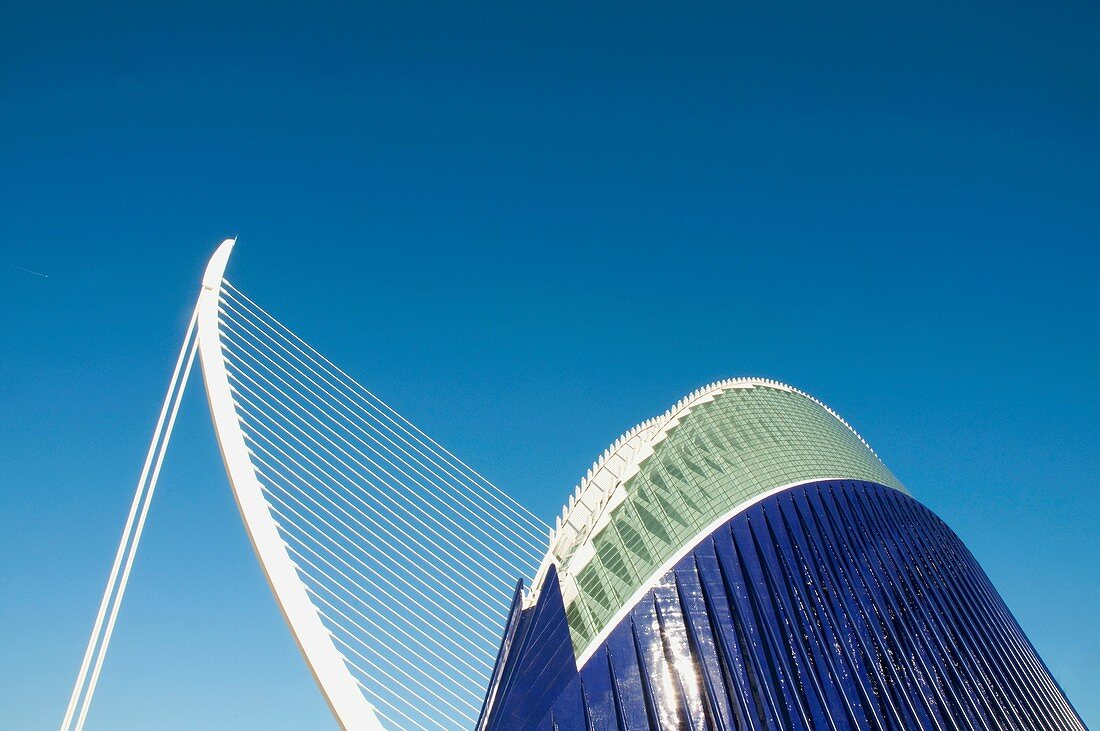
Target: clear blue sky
x=530, y=227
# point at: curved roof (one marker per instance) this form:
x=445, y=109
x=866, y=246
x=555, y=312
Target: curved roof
x=672, y=478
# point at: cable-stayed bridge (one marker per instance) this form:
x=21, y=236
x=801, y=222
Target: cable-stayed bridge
x=394, y=562
x=742, y=561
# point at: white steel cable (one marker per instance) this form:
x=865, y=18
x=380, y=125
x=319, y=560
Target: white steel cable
x=410, y=652
x=348, y=595
x=365, y=539
x=394, y=584
x=396, y=587
x=388, y=704
x=329, y=477
x=408, y=555
x=294, y=479
x=370, y=620
x=532, y=520
x=414, y=651
x=112, y=595
x=426, y=538
x=341, y=407
x=341, y=478
x=351, y=664
x=537, y=527
x=471, y=707
x=345, y=406
x=468, y=650
x=297, y=532
x=338, y=418
x=344, y=487
x=380, y=549
x=296, y=418
x=390, y=574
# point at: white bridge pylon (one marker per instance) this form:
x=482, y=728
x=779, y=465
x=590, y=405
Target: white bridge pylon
x=325, y=662
x=393, y=562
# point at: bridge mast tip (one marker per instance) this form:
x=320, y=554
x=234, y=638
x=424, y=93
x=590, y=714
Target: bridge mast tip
x=215, y=269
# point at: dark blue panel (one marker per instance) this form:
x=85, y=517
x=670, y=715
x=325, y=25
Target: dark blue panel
x=832, y=605
x=535, y=663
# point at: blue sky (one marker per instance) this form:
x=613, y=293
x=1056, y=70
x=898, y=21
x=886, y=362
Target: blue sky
x=529, y=228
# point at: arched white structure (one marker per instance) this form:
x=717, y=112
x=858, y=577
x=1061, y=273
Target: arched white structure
x=329, y=668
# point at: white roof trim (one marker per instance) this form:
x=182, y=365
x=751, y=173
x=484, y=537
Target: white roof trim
x=590, y=504
x=659, y=573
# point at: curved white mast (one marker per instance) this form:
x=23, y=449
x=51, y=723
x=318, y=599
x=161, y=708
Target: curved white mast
x=341, y=691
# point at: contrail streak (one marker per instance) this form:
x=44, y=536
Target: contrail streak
x=30, y=271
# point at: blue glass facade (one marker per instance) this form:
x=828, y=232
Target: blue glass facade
x=829, y=605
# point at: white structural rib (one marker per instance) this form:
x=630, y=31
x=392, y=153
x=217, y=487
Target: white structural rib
x=84, y=688
x=328, y=665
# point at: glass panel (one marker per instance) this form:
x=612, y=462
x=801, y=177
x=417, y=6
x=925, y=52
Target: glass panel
x=723, y=453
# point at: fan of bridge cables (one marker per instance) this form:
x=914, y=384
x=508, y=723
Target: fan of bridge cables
x=393, y=561
x=410, y=556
